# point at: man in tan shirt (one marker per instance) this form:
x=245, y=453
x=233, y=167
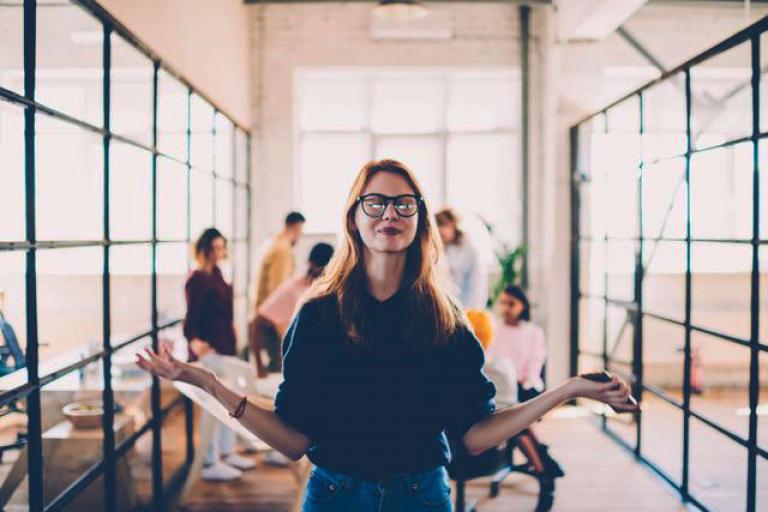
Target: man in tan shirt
x=277, y=266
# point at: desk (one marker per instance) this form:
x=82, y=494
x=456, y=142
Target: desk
x=69, y=452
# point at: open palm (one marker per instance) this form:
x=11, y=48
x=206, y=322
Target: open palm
x=164, y=365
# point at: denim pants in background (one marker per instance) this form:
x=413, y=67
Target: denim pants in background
x=411, y=492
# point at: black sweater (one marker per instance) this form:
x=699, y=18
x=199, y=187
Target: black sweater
x=378, y=411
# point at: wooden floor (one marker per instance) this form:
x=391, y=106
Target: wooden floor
x=600, y=477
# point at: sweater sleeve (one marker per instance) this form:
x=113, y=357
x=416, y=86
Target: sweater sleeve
x=194, y=290
x=470, y=393
x=299, y=398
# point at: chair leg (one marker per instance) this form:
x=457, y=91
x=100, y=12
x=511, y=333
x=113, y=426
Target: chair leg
x=498, y=478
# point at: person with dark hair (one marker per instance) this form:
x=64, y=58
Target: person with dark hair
x=275, y=313
x=380, y=367
x=278, y=262
x=209, y=328
x=521, y=343
x=464, y=265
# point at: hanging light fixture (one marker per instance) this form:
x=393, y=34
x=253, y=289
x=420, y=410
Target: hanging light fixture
x=400, y=10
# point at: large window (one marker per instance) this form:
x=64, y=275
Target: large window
x=111, y=166
x=670, y=193
x=458, y=130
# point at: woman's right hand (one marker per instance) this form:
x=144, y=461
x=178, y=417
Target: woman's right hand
x=614, y=392
x=164, y=365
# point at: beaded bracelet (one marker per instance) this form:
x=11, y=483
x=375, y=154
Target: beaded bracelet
x=240, y=409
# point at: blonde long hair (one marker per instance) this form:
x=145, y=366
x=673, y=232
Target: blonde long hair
x=434, y=312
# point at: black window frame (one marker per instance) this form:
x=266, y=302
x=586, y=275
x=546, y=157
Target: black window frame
x=31, y=390
x=579, y=181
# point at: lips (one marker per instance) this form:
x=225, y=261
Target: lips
x=390, y=231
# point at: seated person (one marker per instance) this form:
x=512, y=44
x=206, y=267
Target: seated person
x=275, y=313
x=503, y=373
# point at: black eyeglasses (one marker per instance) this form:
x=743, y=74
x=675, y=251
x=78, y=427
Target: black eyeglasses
x=374, y=205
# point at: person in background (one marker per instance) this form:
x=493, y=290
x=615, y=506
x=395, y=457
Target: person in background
x=522, y=344
x=463, y=263
x=278, y=263
x=275, y=313
x=209, y=328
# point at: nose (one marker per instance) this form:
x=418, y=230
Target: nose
x=389, y=212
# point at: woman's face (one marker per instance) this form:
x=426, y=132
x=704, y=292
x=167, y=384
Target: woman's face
x=389, y=233
x=510, y=308
x=447, y=232
x=218, y=250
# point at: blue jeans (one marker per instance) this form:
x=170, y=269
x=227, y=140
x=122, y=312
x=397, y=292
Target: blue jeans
x=409, y=492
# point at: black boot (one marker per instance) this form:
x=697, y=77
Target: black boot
x=551, y=468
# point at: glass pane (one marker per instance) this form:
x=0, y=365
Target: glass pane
x=240, y=259
x=12, y=47
x=408, y=105
x=224, y=207
x=482, y=101
x=620, y=331
x=424, y=156
x=69, y=181
x=171, y=116
x=763, y=83
x=241, y=156
x=592, y=268
x=13, y=314
x=328, y=164
x=762, y=406
x=663, y=344
x=664, y=109
x=664, y=199
x=333, y=101
x=171, y=200
x=483, y=179
x=130, y=211
x=69, y=75
x=12, y=188
x=201, y=202
x=763, y=269
x=591, y=326
x=224, y=146
x=720, y=382
x=618, y=157
x=621, y=270
x=241, y=212
x=721, y=95
x=174, y=440
x=131, y=290
x=662, y=434
x=172, y=264
x=763, y=182
x=721, y=193
x=762, y=483
x=201, y=143
x=69, y=305
x=131, y=75
x=726, y=269
x=664, y=281
x=718, y=469
x=70, y=448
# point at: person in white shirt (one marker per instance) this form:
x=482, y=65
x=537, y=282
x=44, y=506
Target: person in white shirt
x=463, y=263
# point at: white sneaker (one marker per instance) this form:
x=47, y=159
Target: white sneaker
x=239, y=462
x=275, y=458
x=220, y=472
